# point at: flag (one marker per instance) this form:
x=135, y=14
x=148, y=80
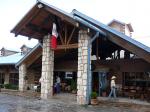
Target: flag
x=54, y=37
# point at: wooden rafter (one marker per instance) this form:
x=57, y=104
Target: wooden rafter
x=63, y=17
x=66, y=30
x=45, y=21
x=33, y=59
x=97, y=45
x=70, y=46
x=23, y=25
x=59, y=23
x=61, y=38
x=70, y=37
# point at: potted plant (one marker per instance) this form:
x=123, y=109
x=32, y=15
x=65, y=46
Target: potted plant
x=73, y=86
x=94, y=100
x=104, y=94
x=25, y=78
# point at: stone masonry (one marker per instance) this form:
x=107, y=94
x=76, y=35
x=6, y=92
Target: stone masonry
x=22, y=74
x=6, y=78
x=82, y=67
x=47, y=69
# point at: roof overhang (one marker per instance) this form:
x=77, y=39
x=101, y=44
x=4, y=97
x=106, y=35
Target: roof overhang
x=38, y=21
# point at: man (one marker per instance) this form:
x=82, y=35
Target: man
x=113, y=87
x=58, y=84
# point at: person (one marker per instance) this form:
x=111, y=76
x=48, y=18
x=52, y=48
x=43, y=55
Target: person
x=40, y=80
x=113, y=87
x=58, y=84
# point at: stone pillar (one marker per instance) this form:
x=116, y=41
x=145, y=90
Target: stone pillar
x=47, y=69
x=22, y=77
x=82, y=67
x=6, y=81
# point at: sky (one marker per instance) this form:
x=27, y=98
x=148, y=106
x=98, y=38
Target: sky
x=136, y=12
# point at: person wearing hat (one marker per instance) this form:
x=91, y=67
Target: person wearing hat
x=113, y=87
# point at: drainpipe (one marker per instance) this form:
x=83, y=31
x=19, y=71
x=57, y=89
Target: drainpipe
x=89, y=75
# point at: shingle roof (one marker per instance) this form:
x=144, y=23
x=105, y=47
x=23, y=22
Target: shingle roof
x=11, y=59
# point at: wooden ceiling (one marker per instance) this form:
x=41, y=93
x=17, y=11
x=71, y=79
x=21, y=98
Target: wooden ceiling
x=38, y=22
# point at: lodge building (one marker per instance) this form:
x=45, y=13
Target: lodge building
x=9, y=74
x=88, y=52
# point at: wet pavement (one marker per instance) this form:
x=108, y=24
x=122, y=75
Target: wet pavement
x=62, y=103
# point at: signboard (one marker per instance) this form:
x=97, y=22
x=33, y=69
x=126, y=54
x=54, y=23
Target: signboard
x=69, y=75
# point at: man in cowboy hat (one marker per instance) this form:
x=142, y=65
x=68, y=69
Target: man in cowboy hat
x=113, y=87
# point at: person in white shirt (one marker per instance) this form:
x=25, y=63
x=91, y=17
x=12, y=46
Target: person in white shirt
x=113, y=87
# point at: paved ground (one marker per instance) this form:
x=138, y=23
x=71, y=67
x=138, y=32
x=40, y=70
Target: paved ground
x=62, y=103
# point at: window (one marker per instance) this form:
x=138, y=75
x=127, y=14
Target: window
x=1, y=78
x=13, y=79
x=140, y=79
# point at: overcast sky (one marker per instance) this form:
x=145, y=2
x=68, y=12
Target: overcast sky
x=136, y=12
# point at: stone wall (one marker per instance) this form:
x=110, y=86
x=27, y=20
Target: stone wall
x=82, y=67
x=47, y=69
x=31, y=74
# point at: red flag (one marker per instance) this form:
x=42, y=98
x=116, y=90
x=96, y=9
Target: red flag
x=54, y=37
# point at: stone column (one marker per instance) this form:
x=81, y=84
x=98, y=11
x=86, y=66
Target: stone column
x=82, y=67
x=6, y=81
x=22, y=77
x=47, y=69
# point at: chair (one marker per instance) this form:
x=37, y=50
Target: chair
x=125, y=91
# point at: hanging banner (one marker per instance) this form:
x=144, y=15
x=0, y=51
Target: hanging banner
x=54, y=37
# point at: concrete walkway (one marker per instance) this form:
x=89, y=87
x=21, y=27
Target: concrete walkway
x=123, y=100
x=10, y=102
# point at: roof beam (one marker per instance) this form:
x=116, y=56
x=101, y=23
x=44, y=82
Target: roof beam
x=30, y=18
x=62, y=16
x=70, y=37
x=36, y=28
x=130, y=47
x=69, y=46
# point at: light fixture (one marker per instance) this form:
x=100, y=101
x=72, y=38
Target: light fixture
x=40, y=6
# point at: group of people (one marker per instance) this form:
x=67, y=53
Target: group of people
x=112, y=85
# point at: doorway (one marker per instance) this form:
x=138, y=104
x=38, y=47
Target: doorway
x=68, y=81
x=100, y=83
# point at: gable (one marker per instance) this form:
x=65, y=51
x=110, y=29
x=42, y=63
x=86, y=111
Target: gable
x=33, y=25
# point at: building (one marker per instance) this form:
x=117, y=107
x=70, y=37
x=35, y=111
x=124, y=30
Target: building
x=8, y=71
x=5, y=52
x=122, y=27
x=80, y=37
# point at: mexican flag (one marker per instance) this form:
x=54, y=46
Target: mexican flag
x=54, y=37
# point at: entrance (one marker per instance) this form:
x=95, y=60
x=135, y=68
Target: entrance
x=100, y=83
x=68, y=81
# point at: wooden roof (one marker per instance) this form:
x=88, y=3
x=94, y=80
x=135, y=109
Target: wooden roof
x=38, y=21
